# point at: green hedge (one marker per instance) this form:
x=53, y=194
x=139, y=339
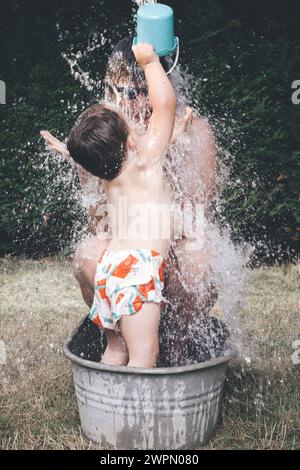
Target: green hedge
x=244, y=57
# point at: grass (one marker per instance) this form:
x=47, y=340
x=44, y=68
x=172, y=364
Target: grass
x=40, y=304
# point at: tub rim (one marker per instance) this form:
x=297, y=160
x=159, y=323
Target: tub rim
x=230, y=354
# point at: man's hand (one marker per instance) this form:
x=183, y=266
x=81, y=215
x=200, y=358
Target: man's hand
x=182, y=125
x=144, y=54
x=55, y=144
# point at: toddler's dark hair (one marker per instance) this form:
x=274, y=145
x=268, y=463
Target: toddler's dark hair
x=98, y=141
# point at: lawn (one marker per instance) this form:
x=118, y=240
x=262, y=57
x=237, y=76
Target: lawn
x=40, y=306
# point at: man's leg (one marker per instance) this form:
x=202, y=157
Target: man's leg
x=190, y=294
x=189, y=282
x=140, y=332
x=85, y=261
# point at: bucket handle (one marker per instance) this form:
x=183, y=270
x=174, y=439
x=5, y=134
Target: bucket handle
x=176, y=60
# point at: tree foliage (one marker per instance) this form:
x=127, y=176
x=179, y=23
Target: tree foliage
x=243, y=56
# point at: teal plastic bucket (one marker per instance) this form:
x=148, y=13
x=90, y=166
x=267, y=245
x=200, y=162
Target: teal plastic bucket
x=155, y=25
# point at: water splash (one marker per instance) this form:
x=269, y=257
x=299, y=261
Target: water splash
x=143, y=2
x=227, y=273
x=79, y=74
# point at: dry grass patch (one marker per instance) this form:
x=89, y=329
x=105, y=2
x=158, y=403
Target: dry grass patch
x=41, y=304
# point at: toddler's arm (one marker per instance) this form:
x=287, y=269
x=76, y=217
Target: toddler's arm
x=163, y=102
x=55, y=144
x=84, y=176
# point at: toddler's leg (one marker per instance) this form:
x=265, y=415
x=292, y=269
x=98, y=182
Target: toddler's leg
x=140, y=331
x=116, y=352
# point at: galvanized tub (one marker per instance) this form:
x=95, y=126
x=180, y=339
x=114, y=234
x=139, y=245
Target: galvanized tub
x=161, y=408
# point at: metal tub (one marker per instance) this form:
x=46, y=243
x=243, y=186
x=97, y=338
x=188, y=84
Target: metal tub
x=161, y=408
